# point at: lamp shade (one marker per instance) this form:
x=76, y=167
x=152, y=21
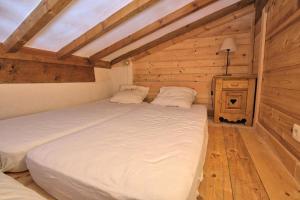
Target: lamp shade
x=228, y=44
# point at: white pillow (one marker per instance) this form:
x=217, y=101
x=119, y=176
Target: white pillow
x=140, y=89
x=130, y=94
x=175, y=96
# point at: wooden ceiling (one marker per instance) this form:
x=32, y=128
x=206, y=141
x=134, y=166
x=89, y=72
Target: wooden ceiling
x=184, y=17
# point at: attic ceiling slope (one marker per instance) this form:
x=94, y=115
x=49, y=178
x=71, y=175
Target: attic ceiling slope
x=115, y=30
x=168, y=37
x=108, y=24
x=201, y=13
x=37, y=19
x=160, y=23
x=12, y=14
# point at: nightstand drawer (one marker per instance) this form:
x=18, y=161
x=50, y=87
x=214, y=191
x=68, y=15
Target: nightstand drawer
x=235, y=84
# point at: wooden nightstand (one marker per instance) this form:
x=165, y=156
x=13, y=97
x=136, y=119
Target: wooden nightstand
x=234, y=98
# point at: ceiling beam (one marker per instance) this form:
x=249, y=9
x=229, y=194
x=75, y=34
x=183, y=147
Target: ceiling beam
x=170, y=36
x=103, y=27
x=42, y=56
x=259, y=5
x=102, y=64
x=37, y=19
x=162, y=22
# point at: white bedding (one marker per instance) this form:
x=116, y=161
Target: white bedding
x=19, y=135
x=10, y=189
x=152, y=153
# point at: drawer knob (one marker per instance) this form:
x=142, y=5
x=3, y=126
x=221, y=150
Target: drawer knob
x=234, y=84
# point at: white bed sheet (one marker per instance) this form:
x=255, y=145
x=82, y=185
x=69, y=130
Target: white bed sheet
x=19, y=135
x=152, y=153
x=10, y=189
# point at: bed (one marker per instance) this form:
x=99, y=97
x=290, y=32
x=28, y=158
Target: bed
x=11, y=189
x=152, y=153
x=19, y=135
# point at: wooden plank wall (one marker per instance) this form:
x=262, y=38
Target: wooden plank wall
x=257, y=45
x=194, y=61
x=280, y=88
x=21, y=71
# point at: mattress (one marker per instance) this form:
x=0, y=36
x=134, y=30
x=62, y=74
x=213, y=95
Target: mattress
x=10, y=189
x=19, y=135
x=152, y=153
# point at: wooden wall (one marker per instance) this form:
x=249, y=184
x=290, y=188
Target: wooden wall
x=39, y=66
x=194, y=61
x=280, y=88
x=18, y=71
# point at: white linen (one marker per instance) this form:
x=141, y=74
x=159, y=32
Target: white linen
x=11, y=189
x=175, y=96
x=19, y=135
x=152, y=153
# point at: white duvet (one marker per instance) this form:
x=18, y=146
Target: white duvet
x=152, y=153
x=19, y=135
x=10, y=189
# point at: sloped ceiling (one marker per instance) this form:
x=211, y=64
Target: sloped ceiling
x=73, y=21
x=12, y=13
x=172, y=27
x=81, y=15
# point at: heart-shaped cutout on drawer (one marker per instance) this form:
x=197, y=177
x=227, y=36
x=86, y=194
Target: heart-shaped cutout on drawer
x=233, y=101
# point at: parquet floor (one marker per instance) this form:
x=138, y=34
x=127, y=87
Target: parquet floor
x=239, y=166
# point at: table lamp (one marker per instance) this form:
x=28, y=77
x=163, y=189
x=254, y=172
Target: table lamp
x=228, y=46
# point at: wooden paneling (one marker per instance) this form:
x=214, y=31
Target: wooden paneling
x=289, y=161
x=280, y=88
x=279, y=11
x=194, y=61
x=279, y=124
x=257, y=52
x=17, y=71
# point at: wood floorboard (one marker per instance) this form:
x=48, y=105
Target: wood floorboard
x=25, y=179
x=279, y=184
x=216, y=183
x=244, y=178
x=239, y=166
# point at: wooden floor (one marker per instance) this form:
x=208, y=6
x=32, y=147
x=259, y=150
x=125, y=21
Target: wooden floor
x=239, y=166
